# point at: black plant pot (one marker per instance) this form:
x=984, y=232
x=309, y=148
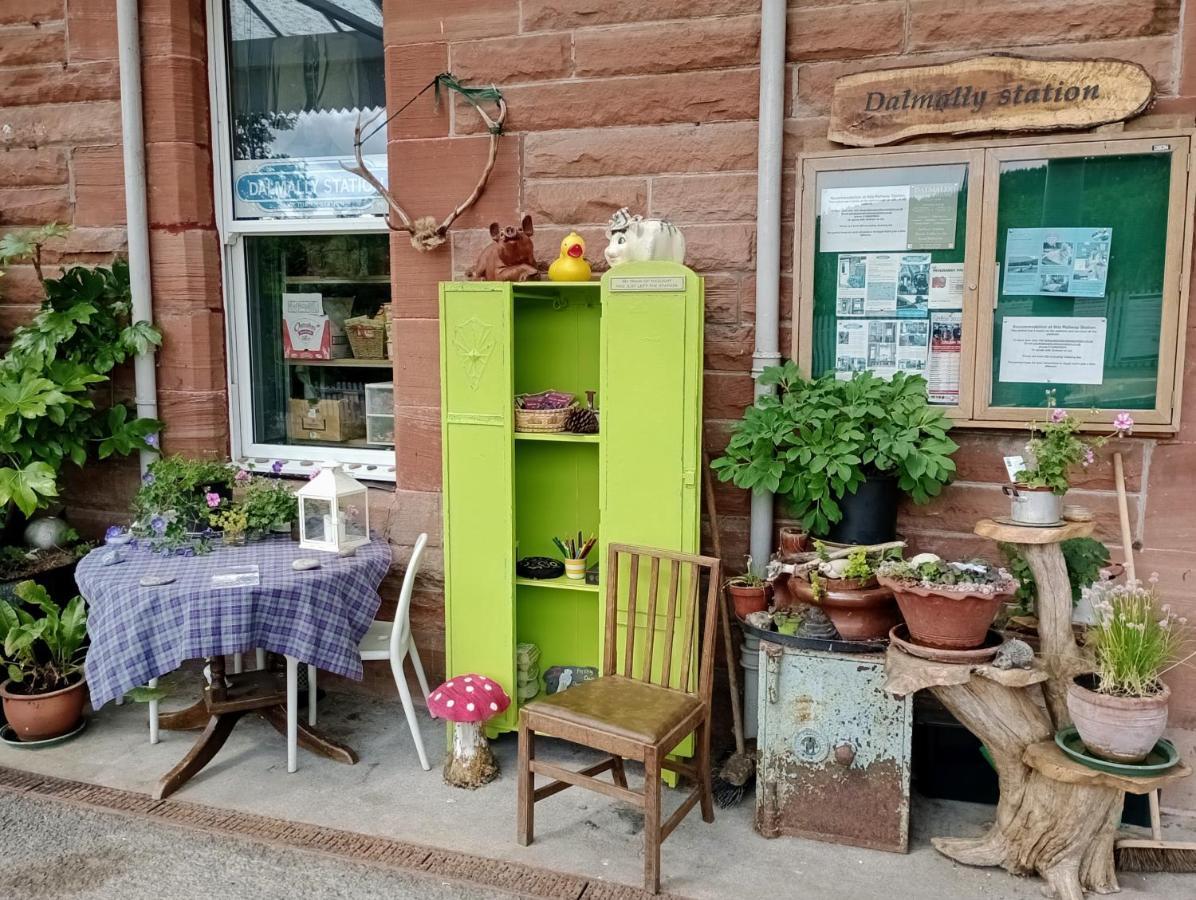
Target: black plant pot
x=869, y=515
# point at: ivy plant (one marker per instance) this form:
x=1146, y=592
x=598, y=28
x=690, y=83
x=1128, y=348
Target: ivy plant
x=816, y=441
x=1084, y=558
x=53, y=404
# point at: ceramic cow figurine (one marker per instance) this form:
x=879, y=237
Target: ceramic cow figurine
x=635, y=239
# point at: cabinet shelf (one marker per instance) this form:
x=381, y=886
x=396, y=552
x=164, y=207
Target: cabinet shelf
x=563, y=583
x=563, y=437
x=348, y=362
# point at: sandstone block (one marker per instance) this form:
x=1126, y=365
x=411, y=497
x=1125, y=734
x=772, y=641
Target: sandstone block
x=25, y=168
x=846, y=32
x=30, y=12
x=434, y=175
x=192, y=354
x=97, y=122
x=417, y=363
x=29, y=46
x=452, y=20
x=176, y=100
x=725, y=395
x=56, y=83
x=196, y=423
x=505, y=60
x=722, y=298
x=408, y=71
x=1171, y=497
x=668, y=47
x=185, y=270
x=651, y=150
x=179, y=184
x=34, y=205
x=99, y=186
x=544, y=15
x=705, y=198
x=584, y=201
x=417, y=448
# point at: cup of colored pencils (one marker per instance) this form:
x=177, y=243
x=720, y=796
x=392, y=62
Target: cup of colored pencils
x=575, y=551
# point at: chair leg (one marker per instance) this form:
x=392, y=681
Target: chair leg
x=652, y=824
x=419, y=669
x=525, y=812
x=311, y=696
x=292, y=714
x=237, y=664
x=153, y=714
x=703, y=766
x=396, y=668
x=617, y=772
x=259, y=656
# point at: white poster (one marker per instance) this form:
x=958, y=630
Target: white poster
x=851, y=348
x=913, y=336
x=851, y=284
x=880, y=296
x=864, y=218
x=946, y=285
x=882, y=347
x=1053, y=350
x=942, y=368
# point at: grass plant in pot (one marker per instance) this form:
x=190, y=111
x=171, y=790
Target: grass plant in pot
x=749, y=592
x=1054, y=449
x=45, y=691
x=847, y=589
x=1120, y=709
x=840, y=453
x=947, y=605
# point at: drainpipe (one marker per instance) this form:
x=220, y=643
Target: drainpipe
x=128, y=39
x=768, y=237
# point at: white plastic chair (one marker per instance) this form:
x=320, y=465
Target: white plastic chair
x=392, y=641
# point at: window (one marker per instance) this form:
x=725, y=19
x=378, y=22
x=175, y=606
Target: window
x=1001, y=273
x=306, y=246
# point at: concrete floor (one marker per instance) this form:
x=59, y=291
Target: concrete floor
x=56, y=851
x=387, y=794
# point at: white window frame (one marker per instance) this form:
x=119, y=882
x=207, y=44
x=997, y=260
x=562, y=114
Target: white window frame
x=374, y=465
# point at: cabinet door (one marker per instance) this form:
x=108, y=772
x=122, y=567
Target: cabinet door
x=479, y=532
x=650, y=401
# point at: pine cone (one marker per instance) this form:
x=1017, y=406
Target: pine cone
x=582, y=421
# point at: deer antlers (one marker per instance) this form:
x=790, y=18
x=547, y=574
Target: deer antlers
x=425, y=233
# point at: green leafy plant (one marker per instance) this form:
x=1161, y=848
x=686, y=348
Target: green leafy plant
x=51, y=378
x=231, y=519
x=42, y=654
x=814, y=442
x=1136, y=638
x=859, y=565
x=929, y=571
x=1056, y=447
x=1084, y=557
x=172, y=504
x=268, y=503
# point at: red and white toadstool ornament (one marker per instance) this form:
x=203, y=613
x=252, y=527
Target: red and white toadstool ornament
x=468, y=701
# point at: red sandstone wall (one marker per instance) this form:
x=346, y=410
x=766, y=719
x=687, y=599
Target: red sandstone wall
x=653, y=105
x=60, y=160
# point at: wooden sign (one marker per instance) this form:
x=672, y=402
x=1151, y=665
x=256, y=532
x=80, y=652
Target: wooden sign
x=987, y=93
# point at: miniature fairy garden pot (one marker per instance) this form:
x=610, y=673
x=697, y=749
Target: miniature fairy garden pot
x=40, y=717
x=859, y=608
x=1033, y=505
x=944, y=618
x=748, y=598
x=1119, y=729
x=794, y=540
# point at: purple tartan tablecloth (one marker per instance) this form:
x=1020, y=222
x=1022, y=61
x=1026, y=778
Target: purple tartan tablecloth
x=138, y=633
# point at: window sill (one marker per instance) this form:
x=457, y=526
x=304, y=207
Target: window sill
x=293, y=465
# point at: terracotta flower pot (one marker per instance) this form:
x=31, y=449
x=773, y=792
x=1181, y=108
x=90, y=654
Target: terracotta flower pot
x=859, y=609
x=749, y=599
x=794, y=541
x=39, y=717
x=1120, y=729
x=949, y=620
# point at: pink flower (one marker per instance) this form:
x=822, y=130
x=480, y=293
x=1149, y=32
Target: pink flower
x=213, y=499
x=1058, y=415
x=1123, y=423
x=242, y=476
x=1089, y=456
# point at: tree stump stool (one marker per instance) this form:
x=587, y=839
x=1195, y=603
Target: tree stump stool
x=1055, y=817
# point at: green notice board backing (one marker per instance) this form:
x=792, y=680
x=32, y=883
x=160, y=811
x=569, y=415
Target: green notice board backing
x=1072, y=199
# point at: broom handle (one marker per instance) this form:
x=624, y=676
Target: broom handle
x=1123, y=513
x=1127, y=550
x=728, y=646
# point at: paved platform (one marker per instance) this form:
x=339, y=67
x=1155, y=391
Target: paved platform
x=580, y=834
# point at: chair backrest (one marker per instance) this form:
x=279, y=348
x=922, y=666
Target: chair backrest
x=400, y=632
x=634, y=580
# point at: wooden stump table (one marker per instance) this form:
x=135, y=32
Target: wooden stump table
x=1055, y=817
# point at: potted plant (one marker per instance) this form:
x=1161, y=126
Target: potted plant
x=55, y=396
x=847, y=590
x=841, y=452
x=174, y=502
x=44, y=692
x=51, y=567
x=1054, y=449
x=749, y=592
x=947, y=605
x=1120, y=709
x=270, y=506
x=1087, y=561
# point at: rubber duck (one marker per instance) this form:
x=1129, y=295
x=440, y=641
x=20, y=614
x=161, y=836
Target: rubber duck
x=571, y=265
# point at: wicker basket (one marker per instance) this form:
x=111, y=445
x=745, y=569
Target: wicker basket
x=542, y=421
x=367, y=337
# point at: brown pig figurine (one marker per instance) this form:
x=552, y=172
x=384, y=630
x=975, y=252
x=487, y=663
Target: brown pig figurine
x=510, y=258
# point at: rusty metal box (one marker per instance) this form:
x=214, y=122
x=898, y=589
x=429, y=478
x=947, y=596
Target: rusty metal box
x=833, y=749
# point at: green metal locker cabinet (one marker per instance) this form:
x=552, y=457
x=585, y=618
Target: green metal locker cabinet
x=635, y=338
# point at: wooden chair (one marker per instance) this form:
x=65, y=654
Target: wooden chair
x=641, y=710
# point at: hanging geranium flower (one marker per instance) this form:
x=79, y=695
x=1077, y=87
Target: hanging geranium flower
x=1123, y=423
x=213, y=499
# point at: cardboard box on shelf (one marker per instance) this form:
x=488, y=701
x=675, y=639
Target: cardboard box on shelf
x=323, y=420
x=313, y=326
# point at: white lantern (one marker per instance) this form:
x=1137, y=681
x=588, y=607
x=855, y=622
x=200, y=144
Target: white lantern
x=334, y=511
